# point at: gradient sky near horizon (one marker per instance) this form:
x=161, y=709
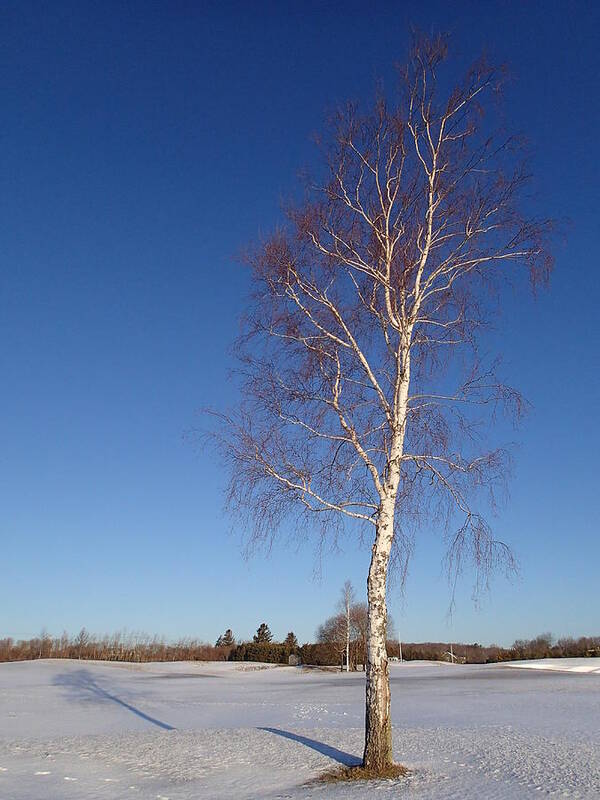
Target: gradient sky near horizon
x=142, y=145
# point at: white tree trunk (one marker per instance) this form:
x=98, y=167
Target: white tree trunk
x=378, y=753
x=378, y=725
x=347, y=634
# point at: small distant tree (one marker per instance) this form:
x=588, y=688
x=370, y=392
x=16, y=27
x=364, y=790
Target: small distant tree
x=226, y=640
x=81, y=642
x=291, y=641
x=359, y=619
x=263, y=634
x=45, y=646
x=346, y=602
x=348, y=641
x=333, y=633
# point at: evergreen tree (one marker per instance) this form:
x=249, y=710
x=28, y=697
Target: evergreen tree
x=226, y=640
x=263, y=634
x=291, y=641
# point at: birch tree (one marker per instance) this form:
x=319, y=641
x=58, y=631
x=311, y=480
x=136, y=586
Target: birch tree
x=333, y=632
x=359, y=617
x=346, y=602
x=363, y=391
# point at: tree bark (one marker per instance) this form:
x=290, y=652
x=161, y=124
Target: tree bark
x=378, y=754
x=347, y=635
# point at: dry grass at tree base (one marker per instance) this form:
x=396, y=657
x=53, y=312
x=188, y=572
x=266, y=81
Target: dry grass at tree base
x=360, y=773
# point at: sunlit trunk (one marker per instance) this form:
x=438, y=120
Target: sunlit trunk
x=378, y=753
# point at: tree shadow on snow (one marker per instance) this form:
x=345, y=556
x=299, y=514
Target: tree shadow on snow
x=84, y=684
x=340, y=756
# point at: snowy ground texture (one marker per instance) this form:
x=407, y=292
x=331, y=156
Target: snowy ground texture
x=74, y=730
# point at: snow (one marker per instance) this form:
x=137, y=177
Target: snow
x=75, y=730
x=586, y=665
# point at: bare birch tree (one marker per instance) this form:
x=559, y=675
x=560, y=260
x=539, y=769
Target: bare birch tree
x=333, y=632
x=346, y=602
x=359, y=616
x=362, y=385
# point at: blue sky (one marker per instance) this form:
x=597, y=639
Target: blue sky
x=143, y=144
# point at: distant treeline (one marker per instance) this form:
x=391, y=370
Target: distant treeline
x=543, y=646
x=117, y=647
x=143, y=648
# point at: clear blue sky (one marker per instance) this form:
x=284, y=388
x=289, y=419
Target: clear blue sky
x=142, y=144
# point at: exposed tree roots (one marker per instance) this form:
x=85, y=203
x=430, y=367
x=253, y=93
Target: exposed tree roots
x=360, y=773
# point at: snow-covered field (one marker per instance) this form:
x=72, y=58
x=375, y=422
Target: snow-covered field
x=561, y=664
x=189, y=731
